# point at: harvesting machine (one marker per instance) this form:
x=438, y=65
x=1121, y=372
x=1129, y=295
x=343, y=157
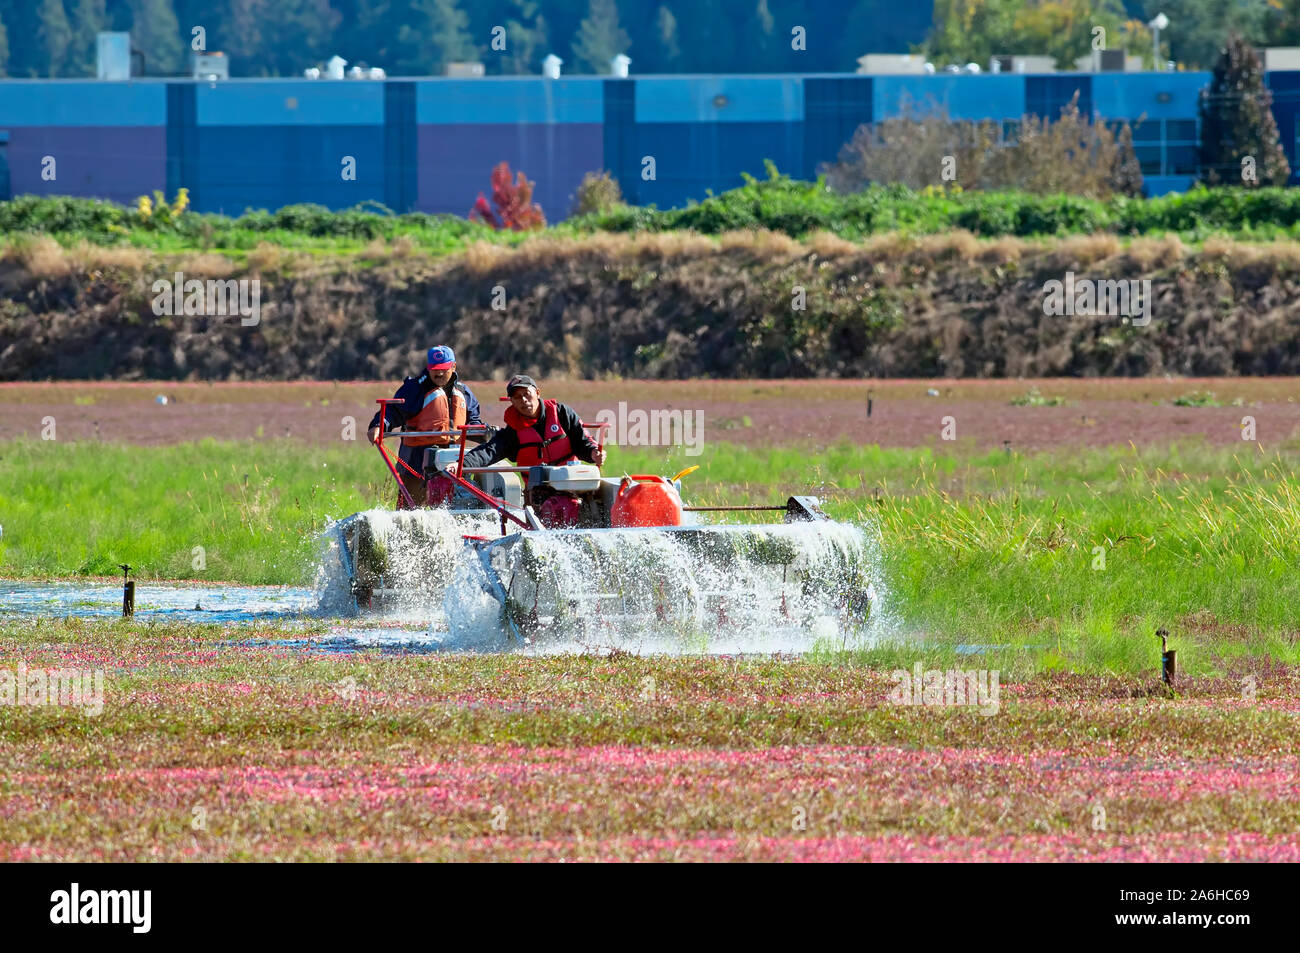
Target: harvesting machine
x=565, y=548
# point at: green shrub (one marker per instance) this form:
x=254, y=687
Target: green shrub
x=778, y=203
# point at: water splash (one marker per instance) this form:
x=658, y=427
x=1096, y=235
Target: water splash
x=407, y=557
x=721, y=589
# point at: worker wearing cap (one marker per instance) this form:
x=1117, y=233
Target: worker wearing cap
x=436, y=400
x=537, y=433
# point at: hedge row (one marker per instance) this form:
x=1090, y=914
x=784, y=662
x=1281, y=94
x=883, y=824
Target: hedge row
x=779, y=204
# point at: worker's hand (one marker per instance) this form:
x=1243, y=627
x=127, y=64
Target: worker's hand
x=452, y=468
x=598, y=456
x=374, y=435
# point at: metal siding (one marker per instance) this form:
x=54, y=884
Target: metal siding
x=1153, y=185
x=270, y=167
x=456, y=162
x=693, y=157
x=401, y=162
x=493, y=101
x=119, y=163
x=1285, y=87
x=617, y=137
x=290, y=103
x=65, y=103
x=691, y=99
x=1046, y=95
x=1129, y=95
x=182, y=141
x=833, y=110
x=432, y=143
x=987, y=96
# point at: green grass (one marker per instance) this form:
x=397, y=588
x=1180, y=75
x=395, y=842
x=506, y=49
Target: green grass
x=777, y=203
x=1074, y=557
x=1197, y=398
x=81, y=509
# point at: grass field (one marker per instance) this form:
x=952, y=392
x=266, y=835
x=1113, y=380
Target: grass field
x=206, y=750
x=1085, y=552
x=1057, y=565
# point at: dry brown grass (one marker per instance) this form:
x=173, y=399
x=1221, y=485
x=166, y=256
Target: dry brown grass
x=41, y=256
x=379, y=249
x=483, y=257
x=1086, y=250
x=1285, y=255
x=207, y=265
x=765, y=244
x=125, y=257
x=1002, y=251
x=674, y=245
x=960, y=245
x=890, y=245
x=1146, y=254
x=829, y=245
x=1219, y=249
x=265, y=257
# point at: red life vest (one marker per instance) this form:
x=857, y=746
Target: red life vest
x=438, y=413
x=542, y=442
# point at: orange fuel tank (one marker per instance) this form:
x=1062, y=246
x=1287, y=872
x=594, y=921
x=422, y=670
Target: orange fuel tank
x=651, y=501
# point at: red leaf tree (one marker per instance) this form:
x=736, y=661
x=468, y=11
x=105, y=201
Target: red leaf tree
x=515, y=208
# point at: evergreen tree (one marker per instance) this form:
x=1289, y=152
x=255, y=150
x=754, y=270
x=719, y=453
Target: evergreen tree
x=526, y=39
x=666, y=28
x=88, y=18
x=600, y=38
x=54, y=35
x=303, y=32
x=1238, y=133
x=1126, y=172
x=155, y=32
x=438, y=37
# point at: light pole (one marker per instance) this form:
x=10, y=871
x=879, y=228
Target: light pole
x=1159, y=23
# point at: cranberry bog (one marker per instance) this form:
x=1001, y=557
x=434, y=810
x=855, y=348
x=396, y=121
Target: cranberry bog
x=1014, y=701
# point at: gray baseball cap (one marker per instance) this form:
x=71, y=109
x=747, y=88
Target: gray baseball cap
x=519, y=380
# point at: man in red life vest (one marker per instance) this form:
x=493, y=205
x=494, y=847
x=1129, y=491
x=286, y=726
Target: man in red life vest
x=436, y=400
x=537, y=433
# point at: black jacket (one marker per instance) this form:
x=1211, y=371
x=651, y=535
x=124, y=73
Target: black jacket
x=412, y=393
x=505, y=445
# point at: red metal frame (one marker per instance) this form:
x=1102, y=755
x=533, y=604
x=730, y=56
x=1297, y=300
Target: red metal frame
x=464, y=429
x=383, y=422
x=490, y=500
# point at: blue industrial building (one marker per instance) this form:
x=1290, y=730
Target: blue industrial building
x=429, y=144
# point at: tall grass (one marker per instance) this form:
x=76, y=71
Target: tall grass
x=1084, y=553
x=253, y=507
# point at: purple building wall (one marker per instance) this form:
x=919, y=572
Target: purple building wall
x=114, y=162
x=456, y=162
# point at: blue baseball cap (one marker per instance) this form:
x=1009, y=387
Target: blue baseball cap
x=441, y=357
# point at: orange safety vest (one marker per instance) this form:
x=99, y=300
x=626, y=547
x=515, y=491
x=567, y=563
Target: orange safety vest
x=438, y=413
x=542, y=442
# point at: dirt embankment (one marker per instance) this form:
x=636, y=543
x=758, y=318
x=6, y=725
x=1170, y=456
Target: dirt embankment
x=661, y=306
